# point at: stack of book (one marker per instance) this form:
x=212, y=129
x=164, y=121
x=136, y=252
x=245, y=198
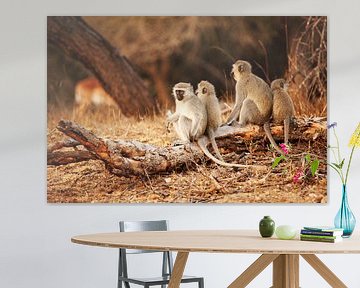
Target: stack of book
x=321, y=234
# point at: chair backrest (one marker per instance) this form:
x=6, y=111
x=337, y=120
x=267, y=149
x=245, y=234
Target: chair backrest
x=134, y=226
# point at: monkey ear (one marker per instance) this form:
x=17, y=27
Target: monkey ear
x=282, y=84
x=241, y=68
x=204, y=91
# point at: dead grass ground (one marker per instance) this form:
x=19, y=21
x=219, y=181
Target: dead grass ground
x=90, y=182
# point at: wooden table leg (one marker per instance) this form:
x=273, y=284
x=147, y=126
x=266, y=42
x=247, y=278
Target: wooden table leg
x=279, y=271
x=253, y=270
x=178, y=269
x=324, y=271
x=286, y=271
x=293, y=262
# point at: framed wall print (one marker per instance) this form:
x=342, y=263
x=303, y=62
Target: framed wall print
x=187, y=109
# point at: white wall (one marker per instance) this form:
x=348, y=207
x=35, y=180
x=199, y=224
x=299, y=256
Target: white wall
x=35, y=248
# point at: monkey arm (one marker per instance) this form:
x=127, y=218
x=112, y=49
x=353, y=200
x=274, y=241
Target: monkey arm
x=173, y=117
x=195, y=124
x=240, y=97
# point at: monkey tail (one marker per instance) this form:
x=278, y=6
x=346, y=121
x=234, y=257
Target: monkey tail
x=202, y=142
x=211, y=136
x=270, y=137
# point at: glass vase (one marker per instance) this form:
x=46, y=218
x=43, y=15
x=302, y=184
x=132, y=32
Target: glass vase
x=345, y=219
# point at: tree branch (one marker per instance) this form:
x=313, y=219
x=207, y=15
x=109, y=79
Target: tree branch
x=130, y=157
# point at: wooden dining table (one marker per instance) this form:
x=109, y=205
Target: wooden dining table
x=284, y=254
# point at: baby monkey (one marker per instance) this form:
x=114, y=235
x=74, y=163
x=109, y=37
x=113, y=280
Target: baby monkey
x=283, y=106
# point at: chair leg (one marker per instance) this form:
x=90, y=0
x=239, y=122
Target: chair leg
x=201, y=283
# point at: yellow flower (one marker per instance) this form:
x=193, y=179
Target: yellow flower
x=355, y=138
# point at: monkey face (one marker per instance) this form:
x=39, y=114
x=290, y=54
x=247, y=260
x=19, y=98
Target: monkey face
x=201, y=91
x=279, y=84
x=235, y=73
x=205, y=88
x=183, y=91
x=282, y=83
x=179, y=94
x=240, y=68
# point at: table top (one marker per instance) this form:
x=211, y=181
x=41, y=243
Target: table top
x=217, y=241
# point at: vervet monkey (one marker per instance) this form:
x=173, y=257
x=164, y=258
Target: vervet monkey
x=206, y=93
x=283, y=106
x=254, y=100
x=190, y=117
x=190, y=120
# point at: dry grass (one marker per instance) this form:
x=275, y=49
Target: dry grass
x=90, y=182
x=307, y=70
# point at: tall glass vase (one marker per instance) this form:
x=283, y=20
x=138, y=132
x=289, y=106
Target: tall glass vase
x=345, y=219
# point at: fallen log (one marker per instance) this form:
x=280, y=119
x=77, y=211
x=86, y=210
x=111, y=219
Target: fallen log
x=130, y=157
x=66, y=157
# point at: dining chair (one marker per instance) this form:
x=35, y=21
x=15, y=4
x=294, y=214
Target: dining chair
x=167, y=260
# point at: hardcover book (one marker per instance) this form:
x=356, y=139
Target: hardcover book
x=321, y=232
x=328, y=240
x=323, y=228
x=319, y=236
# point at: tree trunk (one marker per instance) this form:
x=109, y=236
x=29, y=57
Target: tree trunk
x=129, y=157
x=80, y=41
x=159, y=74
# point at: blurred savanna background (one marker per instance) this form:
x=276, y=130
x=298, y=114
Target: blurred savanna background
x=113, y=76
